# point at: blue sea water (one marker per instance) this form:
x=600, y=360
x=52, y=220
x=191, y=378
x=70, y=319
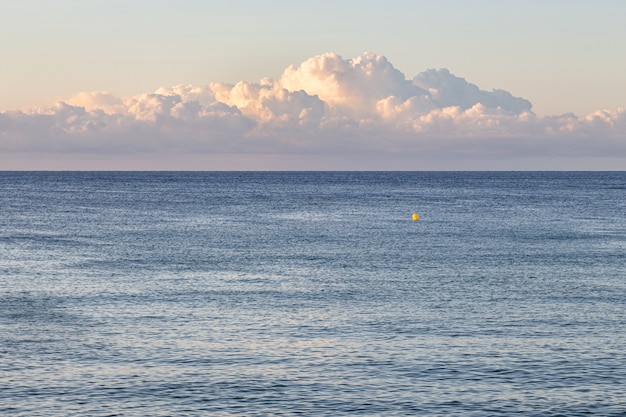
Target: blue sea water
x=312, y=293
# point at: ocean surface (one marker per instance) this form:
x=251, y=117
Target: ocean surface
x=312, y=294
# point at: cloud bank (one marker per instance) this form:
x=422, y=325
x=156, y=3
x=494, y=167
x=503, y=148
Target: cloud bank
x=327, y=105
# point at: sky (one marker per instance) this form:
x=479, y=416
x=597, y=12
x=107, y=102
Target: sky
x=337, y=84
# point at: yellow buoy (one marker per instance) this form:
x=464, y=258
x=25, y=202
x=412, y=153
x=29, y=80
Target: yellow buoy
x=415, y=217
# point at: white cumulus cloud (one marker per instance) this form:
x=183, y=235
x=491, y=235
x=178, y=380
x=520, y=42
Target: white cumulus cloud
x=326, y=104
x=448, y=90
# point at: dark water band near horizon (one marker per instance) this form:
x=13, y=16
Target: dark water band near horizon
x=312, y=293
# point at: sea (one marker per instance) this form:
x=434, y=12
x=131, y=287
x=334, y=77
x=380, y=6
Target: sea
x=312, y=294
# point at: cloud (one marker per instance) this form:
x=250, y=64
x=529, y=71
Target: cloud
x=351, y=87
x=326, y=104
x=447, y=90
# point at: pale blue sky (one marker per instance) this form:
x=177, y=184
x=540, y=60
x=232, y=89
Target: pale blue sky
x=563, y=56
